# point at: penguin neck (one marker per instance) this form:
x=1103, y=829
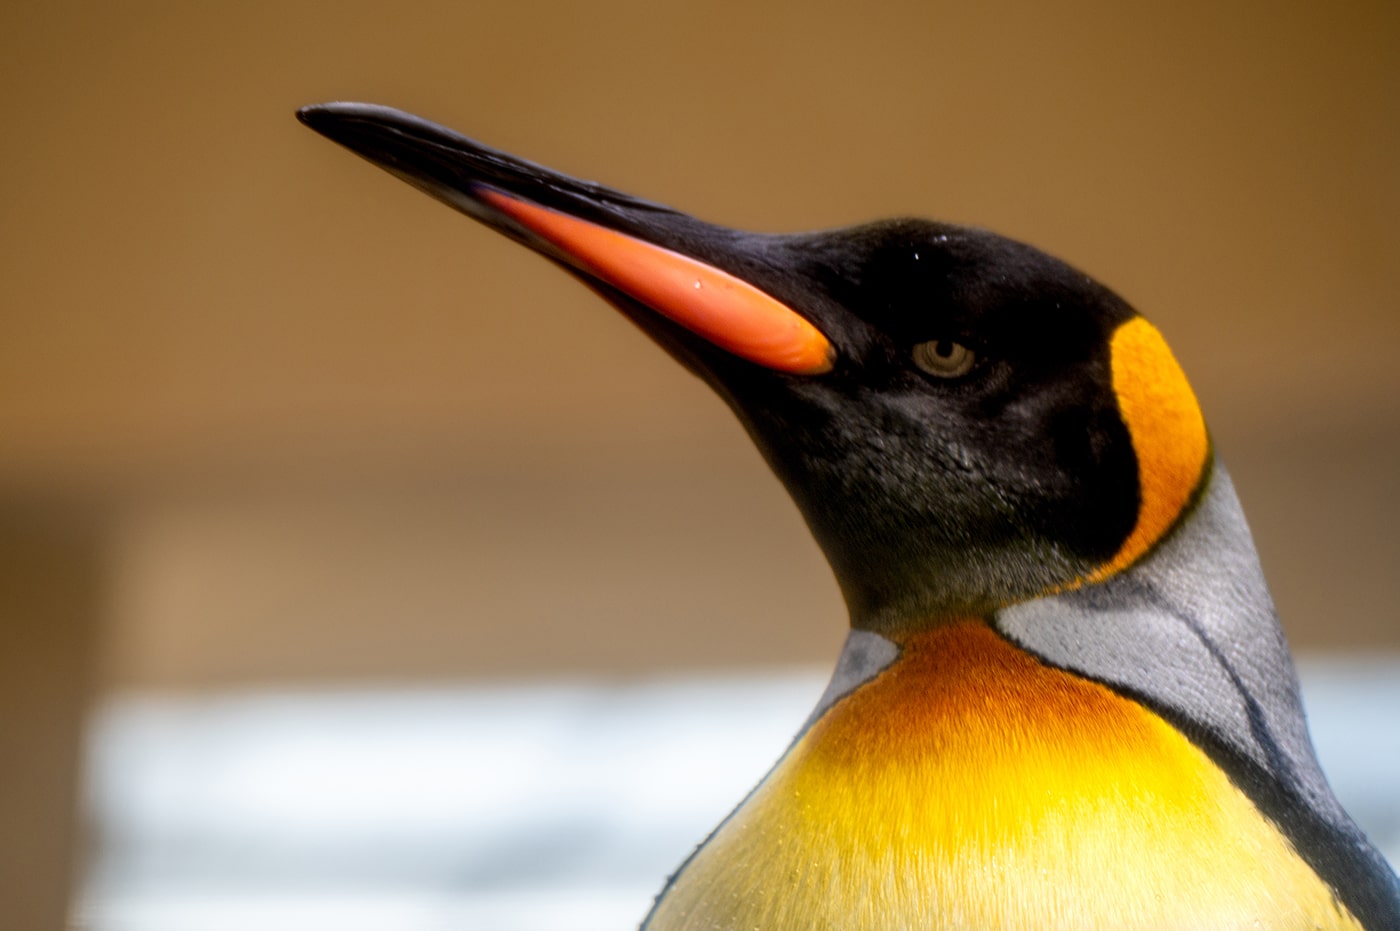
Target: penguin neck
x=945, y=769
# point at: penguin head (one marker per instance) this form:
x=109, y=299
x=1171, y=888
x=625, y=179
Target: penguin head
x=964, y=421
x=995, y=425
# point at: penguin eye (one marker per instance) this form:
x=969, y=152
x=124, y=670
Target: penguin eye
x=944, y=358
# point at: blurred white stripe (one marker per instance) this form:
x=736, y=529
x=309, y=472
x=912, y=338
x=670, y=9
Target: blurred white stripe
x=512, y=808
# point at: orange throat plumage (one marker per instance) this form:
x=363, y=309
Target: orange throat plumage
x=969, y=785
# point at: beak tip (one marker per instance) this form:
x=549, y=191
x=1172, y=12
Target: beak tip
x=319, y=115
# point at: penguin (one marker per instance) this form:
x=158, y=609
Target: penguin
x=1065, y=701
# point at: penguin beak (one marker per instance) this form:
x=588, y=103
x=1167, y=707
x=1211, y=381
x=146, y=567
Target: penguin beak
x=641, y=256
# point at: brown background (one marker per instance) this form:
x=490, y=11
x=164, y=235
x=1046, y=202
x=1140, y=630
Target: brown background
x=338, y=431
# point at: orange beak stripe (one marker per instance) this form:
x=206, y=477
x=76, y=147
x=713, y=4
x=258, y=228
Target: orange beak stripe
x=727, y=311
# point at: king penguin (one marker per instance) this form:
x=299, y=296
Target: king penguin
x=1065, y=701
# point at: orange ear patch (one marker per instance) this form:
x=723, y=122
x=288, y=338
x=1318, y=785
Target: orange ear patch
x=1168, y=432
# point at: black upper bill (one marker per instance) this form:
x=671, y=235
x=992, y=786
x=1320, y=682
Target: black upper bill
x=450, y=166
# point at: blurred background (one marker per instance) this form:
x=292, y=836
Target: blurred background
x=285, y=444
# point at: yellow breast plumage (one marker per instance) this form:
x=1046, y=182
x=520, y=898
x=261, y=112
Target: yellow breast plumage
x=971, y=786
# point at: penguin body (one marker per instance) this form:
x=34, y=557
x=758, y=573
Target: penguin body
x=995, y=773
x=1066, y=701
x=971, y=782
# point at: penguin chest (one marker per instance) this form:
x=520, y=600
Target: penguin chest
x=970, y=786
